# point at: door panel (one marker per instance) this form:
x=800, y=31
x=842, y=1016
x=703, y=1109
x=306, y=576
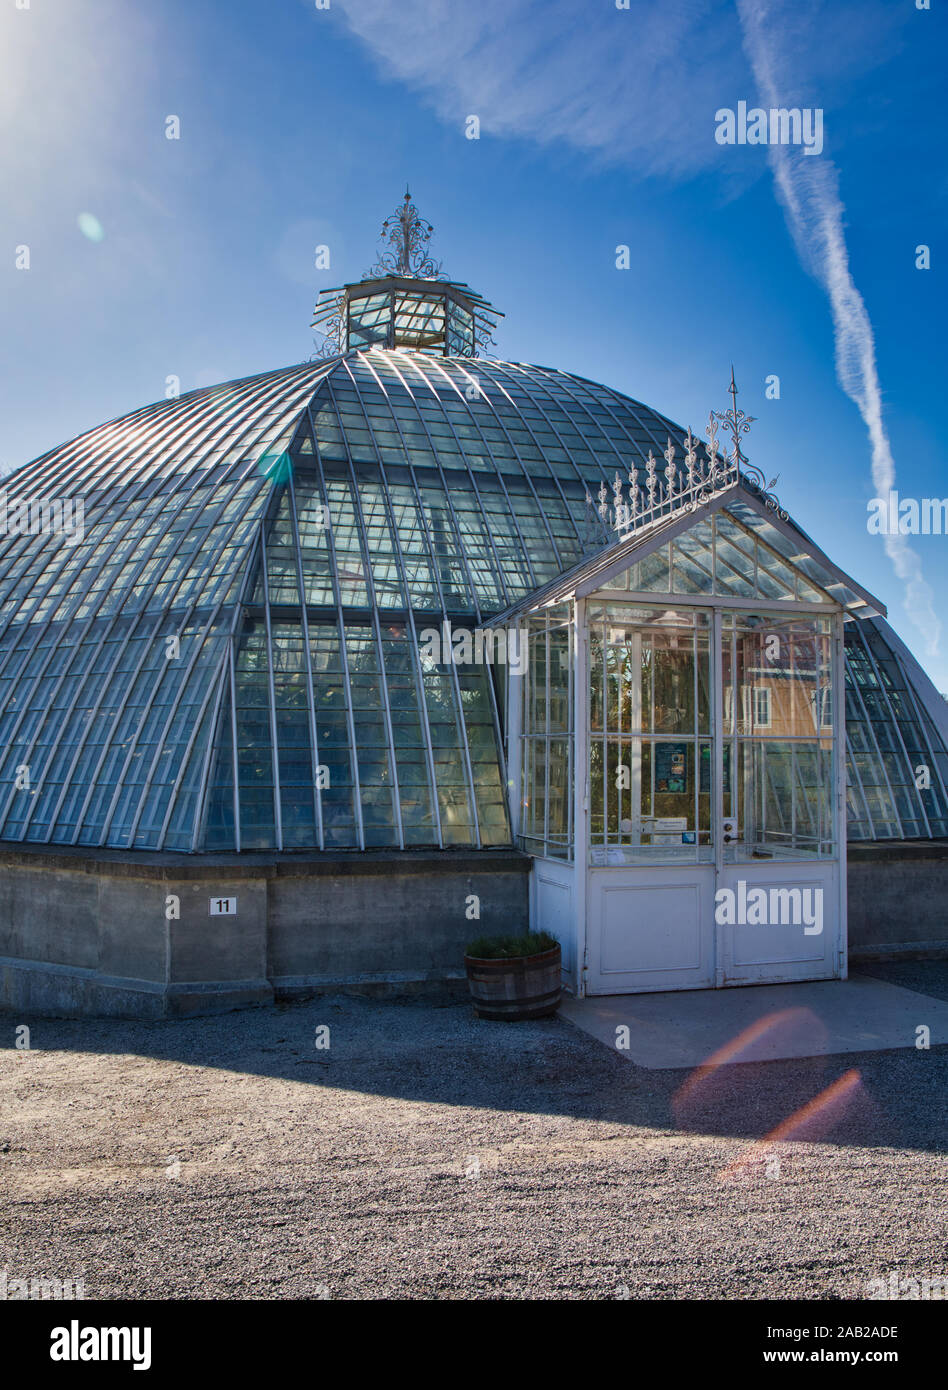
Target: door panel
x=650, y=929
x=778, y=938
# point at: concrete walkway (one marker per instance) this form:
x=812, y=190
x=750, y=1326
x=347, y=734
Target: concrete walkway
x=759, y=1023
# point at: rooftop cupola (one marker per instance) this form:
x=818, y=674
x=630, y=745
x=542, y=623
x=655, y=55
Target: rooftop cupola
x=405, y=300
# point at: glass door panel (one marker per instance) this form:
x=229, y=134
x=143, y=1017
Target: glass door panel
x=650, y=767
x=778, y=732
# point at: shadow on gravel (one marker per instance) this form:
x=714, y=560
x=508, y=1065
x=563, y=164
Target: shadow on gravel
x=442, y=1054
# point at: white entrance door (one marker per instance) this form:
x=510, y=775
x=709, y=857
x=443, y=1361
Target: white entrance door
x=714, y=811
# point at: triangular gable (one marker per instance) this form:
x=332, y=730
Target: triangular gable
x=747, y=525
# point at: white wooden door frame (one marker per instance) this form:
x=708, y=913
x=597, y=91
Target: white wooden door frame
x=589, y=888
x=581, y=792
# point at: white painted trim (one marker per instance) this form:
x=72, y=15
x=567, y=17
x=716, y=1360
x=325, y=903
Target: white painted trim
x=840, y=827
x=514, y=750
x=746, y=605
x=580, y=786
x=717, y=800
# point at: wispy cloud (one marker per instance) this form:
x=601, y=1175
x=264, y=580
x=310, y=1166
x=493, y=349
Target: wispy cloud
x=633, y=86
x=809, y=193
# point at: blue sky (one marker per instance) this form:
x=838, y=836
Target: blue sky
x=300, y=126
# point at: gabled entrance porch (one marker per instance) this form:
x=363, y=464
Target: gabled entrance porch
x=677, y=749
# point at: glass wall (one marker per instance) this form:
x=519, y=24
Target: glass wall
x=652, y=738
x=779, y=768
x=735, y=555
x=422, y=315
x=546, y=818
x=650, y=764
x=898, y=765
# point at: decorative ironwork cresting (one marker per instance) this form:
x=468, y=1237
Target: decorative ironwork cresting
x=408, y=234
x=686, y=486
x=333, y=329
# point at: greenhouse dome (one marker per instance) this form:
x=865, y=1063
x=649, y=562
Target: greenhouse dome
x=227, y=655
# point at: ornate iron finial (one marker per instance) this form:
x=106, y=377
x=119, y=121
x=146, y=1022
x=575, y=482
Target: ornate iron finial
x=711, y=448
x=438, y=315
x=408, y=234
x=691, y=457
x=736, y=422
x=739, y=424
x=670, y=466
x=651, y=478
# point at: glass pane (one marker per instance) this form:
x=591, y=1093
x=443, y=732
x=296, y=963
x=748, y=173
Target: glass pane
x=650, y=777
x=777, y=707
x=547, y=785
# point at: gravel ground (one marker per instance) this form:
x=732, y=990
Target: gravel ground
x=428, y=1155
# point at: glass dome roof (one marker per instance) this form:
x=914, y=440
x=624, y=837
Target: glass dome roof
x=229, y=653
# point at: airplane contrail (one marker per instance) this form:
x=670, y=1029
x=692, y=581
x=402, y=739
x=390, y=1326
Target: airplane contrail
x=808, y=189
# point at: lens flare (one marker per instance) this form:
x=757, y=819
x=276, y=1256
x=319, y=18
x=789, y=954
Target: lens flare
x=276, y=467
x=90, y=226
x=750, y=1045
x=807, y=1124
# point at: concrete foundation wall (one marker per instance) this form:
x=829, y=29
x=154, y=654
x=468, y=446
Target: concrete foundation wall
x=898, y=899
x=132, y=934
x=399, y=918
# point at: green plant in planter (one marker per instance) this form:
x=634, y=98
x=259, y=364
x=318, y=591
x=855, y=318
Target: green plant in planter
x=532, y=943
x=514, y=977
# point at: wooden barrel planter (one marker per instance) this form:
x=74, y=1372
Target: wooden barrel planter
x=515, y=987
